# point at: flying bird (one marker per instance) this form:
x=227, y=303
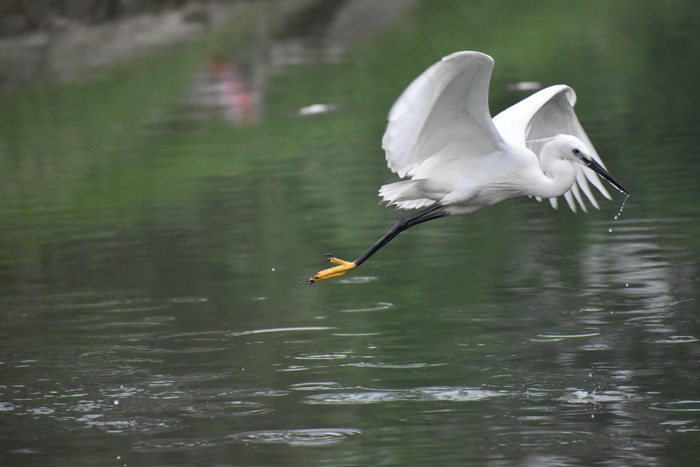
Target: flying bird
x=456, y=158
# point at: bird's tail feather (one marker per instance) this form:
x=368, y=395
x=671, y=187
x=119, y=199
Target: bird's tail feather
x=406, y=194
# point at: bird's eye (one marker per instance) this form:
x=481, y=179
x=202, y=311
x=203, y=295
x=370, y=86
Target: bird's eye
x=577, y=152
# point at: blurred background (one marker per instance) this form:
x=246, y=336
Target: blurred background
x=171, y=172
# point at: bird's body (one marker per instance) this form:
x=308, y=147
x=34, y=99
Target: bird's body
x=457, y=158
x=463, y=185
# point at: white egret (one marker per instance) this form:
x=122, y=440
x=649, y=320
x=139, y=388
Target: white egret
x=457, y=158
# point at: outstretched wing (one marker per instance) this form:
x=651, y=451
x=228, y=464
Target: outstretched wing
x=448, y=101
x=545, y=114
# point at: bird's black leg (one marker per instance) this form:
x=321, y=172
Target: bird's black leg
x=433, y=212
x=428, y=214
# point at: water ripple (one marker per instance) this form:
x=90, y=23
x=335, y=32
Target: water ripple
x=302, y=437
x=357, y=280
x=560, y=337
x=676, y=340
x=210, y=409
x=374, y=307
x=393, y=366
x=291, y=329
x=333, y=356
x=452, y=394
x=678, y=406
x=316, y=386
x=588, y=397
x=172, y=445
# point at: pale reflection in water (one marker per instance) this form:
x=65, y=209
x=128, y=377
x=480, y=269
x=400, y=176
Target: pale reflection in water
x=646, y=274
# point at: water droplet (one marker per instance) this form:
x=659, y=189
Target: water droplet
x=622, y=207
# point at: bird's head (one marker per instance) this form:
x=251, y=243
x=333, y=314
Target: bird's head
x=573, y=149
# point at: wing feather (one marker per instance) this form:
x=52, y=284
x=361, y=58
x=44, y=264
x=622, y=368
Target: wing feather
x=446, y=102
x=545, y=114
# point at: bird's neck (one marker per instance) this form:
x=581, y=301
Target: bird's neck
x=556, y=177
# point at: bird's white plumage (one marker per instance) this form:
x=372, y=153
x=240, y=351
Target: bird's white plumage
x=447, y=102
x=441, y=135
x=545, y=114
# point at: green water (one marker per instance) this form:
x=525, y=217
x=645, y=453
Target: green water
x=152, y=264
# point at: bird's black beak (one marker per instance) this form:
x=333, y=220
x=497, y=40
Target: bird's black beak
x=600, y=170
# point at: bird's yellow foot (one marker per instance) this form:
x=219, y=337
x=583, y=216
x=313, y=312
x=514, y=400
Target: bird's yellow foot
x=336, y=271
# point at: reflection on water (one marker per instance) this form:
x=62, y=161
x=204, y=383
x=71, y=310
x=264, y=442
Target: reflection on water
x=652, y=279
x=552, y=381
x=222, y=91
x=604, y=354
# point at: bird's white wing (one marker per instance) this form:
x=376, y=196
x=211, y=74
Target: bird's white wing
x=448, y=101
x=545, y=114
